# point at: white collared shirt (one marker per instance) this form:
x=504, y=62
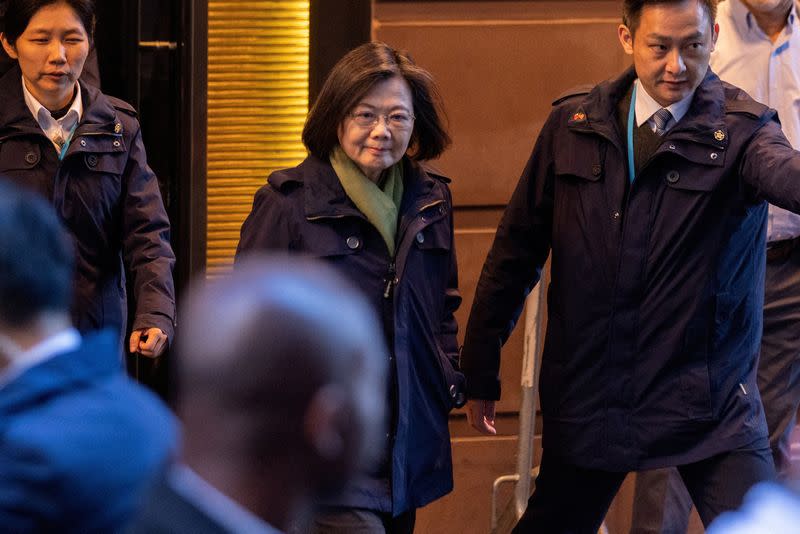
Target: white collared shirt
x=645, y=106
x=64, y=341
x=54, y=129
x=221, y=508
x=770, y=73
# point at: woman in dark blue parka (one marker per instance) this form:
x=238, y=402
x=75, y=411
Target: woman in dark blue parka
x=82, y=150
x=362, y=202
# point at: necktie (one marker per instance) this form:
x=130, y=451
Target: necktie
x=661, y=118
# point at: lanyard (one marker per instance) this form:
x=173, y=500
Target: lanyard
x=631, y=120
x=65, y=146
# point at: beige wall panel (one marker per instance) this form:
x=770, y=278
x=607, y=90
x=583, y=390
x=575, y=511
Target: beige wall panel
x=499, y=70
x=478, y=461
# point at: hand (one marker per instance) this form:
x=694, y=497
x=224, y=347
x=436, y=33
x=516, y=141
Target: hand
x=149, y=342
x=480, y=414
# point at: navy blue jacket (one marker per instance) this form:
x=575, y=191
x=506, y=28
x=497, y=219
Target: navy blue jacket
x=109, y=200
x=305, y=210
x=654, y=305
x=79, y=443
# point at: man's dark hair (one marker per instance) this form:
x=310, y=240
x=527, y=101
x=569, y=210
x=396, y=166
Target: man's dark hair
x=353, y=77
x=36, y=257
x=632, y=10
x=18, y=14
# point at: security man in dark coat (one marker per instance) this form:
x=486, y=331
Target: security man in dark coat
x=649, y=191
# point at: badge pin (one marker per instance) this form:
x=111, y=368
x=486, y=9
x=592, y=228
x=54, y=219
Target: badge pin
x=719, y=135
x=118, y=127
x=579, y=116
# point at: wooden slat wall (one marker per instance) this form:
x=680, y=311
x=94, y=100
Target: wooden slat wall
x=257, y=103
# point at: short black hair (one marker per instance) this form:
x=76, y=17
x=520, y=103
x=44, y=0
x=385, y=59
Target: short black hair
x=36, y=257
x=353, y=77
x=18, y=15
x=632, y=10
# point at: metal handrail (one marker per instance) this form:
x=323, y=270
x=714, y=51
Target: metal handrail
x=531, y=361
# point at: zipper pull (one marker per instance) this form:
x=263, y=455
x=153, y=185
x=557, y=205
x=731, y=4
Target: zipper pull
x=390, y=282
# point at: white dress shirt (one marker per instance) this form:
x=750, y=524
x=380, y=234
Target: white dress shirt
x=219, y=507
x=770, y=73
x=55, y=129
x=645, y=106
x=64, y=341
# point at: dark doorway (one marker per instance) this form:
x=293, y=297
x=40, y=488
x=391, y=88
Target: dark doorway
x=152, y=54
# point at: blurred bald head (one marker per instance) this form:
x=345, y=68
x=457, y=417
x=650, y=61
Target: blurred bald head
x=283, y=362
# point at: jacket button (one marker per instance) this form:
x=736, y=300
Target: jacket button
x=453, y=390
x=615, y=215
x=673, y=176
x=83, y=142
x=672, y=147
x=353, y=242
x=713, y=155
x=420, y=238
x=116, y=143
x=31, y=158
x=596, y=169
x=91, y=160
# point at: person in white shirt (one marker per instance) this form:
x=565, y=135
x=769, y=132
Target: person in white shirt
x=758, y=50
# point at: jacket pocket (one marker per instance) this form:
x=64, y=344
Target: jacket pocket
x=703, y=174
x=551, y=385
x=582, y=163
x=695, y=379
x=434, y=237
x=15, y=155
x=112, y=163
x=333, y=240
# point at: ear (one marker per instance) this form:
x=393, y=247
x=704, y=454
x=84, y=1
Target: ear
x=714, y=36
x=625, y=38
x=8, y=47
x=324, y=422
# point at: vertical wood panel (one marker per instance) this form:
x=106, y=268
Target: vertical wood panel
x=257, y=103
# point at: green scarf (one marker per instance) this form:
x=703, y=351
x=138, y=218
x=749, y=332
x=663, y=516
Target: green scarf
x=380, y=205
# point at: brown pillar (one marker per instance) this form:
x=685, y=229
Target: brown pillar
x=336, y=28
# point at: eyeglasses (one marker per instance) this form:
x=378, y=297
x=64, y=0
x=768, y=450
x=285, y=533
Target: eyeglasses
x=395, y=121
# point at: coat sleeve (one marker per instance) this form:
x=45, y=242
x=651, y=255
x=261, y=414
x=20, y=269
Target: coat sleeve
x=448, y=329
x=145, y=243
x=513, y=266
x=268, y=226
x=771, y=167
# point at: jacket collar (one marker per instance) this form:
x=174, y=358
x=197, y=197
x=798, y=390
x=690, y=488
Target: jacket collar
x=703, y=123
x=324, y=195
x=96, y=357
x=15, y=117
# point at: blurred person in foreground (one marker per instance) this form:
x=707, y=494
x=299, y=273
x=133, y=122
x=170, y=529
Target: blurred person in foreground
x=363, y=202
x=277, y=378
x=79, y=441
